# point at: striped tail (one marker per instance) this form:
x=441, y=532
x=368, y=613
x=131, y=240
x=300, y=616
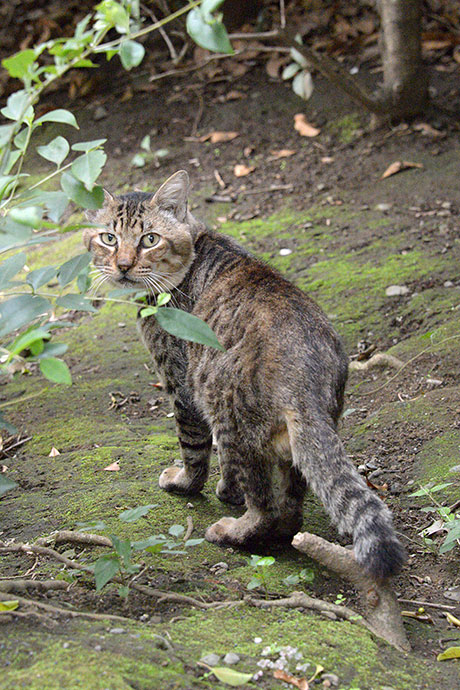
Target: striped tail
x=319, y=455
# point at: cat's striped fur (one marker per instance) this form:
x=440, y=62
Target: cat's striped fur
x=272, y=399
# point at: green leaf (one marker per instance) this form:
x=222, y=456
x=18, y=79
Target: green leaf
x=41, y=276
x=55, y=203
x=12, y=160
x=123, y=591
x=131, y=54
x=290, y=71
x=55, y=370
x=19, y=311
x=291, y=580
x=16, y=106
x=184, y=325
x=6, y=484
x=212, y=36
x=134, y=514
x=450, y=653
x=138, y=160
x=53, y=350
x=193, y=542
x=24, y=341
x=56, y=151
x=10, y=605
x=151, y=544
x=254, y=583
x=77, y=191
x=5, y=133
x=88, y=167
x=88, y=145
x=85, y=63
x=74, y=301
x=145, y=143
x=70, y=269
x=122, y=548
x=29, y=215
x=163, y=298
x=105, y=568
x=176, y=530
x=96, y=525
x=8, y=427
x=210, y=6
x=18, y=64
x=265, y=561
x=230, y=676
x=10, y=267
x=59, y=115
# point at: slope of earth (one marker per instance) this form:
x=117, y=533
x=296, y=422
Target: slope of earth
x=350, y=235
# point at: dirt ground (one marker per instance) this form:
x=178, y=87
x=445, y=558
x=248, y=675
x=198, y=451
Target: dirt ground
x=350, y=235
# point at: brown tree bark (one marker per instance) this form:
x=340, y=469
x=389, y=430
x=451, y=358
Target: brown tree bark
x=405, y=87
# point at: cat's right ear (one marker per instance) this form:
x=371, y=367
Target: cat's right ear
x=173, y=195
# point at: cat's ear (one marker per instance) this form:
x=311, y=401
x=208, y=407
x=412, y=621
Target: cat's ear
x=92, y=214
x=173, y=195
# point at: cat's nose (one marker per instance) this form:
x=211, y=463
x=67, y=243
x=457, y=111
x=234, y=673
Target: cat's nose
x=124, y=266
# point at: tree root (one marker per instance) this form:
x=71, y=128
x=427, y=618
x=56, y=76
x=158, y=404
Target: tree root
x=40, y=585
x=381, y=359
x=58, y=610
x=383, y=615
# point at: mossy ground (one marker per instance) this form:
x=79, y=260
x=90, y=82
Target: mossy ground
x=345, y=252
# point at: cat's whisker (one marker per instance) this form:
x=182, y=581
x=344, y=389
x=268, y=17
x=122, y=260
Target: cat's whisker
x=166, y=280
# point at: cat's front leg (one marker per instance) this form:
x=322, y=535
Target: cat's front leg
x=195, y=440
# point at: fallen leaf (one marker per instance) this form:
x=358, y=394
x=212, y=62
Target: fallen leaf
x=127, y=95
x=247, y=151
x=273, y=66
x=377, y=487
x=53, y=452
x=300, y=683
x=228, y=675
x=242, y=170
x=282, y=153
x=319, y=669
x=436, y=44
x=427, y=129
x=452, y=619
x=3, y=469
x=327, y=159
x=304, y=128
x=113, y=467
x=10, y=605
x=234, y=95
x=219, y=137
x=399, y=166
x=450, y=653
x=423, y=617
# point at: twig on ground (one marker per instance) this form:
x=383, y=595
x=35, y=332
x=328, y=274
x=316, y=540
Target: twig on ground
x=427, y=603
x=381, y=359
x=20, y=442
x=69, y=536
x=24, y=585
x=383, y=613
x=189, y=530
x=62, y=611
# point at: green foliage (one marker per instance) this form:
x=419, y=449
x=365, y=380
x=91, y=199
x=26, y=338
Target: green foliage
x=30, y=215
x=119, y=563
x=306, y=576
x=446, y=520
x=261, y=565
x=206, y=28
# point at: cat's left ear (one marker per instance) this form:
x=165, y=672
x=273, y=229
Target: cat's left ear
x=173, y=195
x=92, y=214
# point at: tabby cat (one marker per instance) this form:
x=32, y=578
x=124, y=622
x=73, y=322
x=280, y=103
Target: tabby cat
x=272, y=399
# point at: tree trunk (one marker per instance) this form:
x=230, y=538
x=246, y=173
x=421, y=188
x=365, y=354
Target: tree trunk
x=405, y=81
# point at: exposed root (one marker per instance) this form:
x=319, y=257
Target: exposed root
x=24, y=585
x=189, y=530
x=68, y=536
x=58, y=610
x=383, y=615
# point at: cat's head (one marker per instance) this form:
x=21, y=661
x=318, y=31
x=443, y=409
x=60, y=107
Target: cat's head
x=143, y=240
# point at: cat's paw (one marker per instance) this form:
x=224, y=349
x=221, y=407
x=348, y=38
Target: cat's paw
x=229, y=494
x=221, y=532
x=176, y=479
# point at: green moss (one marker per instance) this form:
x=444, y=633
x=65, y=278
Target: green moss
x=345, y=128
x=437, y=457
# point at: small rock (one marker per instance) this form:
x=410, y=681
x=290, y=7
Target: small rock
x=219, y=567
x=433, y=383
x=332, y=678
x=211, y=659
x=99, y=113
x=121, y=325
x=117, y=631
x=257, y=640
x=455, y=468
x=453, y=593
x=285, y=251
x=383, y=207
x=320, y=187
x=396, y=290
x=448, y=283
x=231, y=658
x=65, y=645
x=307, y=225
x=97, y=647
x=144, y=617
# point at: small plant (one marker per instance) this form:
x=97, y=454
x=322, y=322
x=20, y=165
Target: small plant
x=261, y=565
x=147, y=155
x=447, y=520
x=306, y=575
x=340, y=599
x=302, y=82
x=120, y=562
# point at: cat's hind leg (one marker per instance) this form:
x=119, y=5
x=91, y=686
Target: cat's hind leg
x=228, y=488
x=195, y=440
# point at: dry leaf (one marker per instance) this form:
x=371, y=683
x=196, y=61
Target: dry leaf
x=377, y=487
x=3, y=469
x=398, y=166
x=452, y=619
x=304, y=128
x=273, y=66
x=436, y=44
x=127, y=95
x=234, y=95
x=54, y=451
x=300, y=683
x=327, y=159
x=219, y=137
x=113, y=467
x=247, y=151
x=282, y=153
x=242, y=170
x=425, y=128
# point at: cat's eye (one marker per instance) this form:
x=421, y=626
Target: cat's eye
x=108, y=238
x=150, y=240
